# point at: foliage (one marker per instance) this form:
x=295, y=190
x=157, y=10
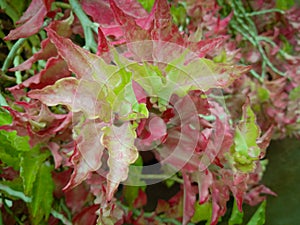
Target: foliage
x=89, y=86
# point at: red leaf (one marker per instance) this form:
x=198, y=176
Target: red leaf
x=77, y=197
x=86, y=216
x=32, y=20
x=63, y=28
x=55, y=69
x=141, y=199
x=164, y=29
x=132, y=31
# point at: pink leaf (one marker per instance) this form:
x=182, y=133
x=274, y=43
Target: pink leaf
x=189, y=199
x=120, y=144
x=157, y=130
x=204, y=180
x=77, y=95
x=88, y=152
x=81, y=62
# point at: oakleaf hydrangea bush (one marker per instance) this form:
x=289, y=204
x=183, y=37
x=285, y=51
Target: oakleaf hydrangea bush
x=90, y=89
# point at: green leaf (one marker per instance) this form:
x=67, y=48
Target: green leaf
x=30, y=165
x=295, y=94
x=284, y=4
x=42, y=198
x=236, y=216
x=263, y=94
x=245, y=150
x=5, y=118
x=178, y=14
x=259, y=216
x=203, y=212
x=147, y=4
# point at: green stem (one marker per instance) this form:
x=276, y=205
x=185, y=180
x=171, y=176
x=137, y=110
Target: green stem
x=137, y=213
x=1, y=221
x=7, y=209
x=62, y=5
x=11, y=55
x=256, y=13
x=3, y=102
x=161, y=176
x=61, y=217
x=88, y=26
x=245, y=26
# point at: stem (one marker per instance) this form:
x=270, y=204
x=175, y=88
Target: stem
x=161, y=176
x=7, y=209
x=245, y=26
x=11, y=55
x=3, y=102
x=265, y=12
x=88, y=26
x=61, y=217
x=18, y=73
x=137, y=213
x=1, y=221
x=62, y=5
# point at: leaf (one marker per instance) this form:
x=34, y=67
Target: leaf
x=48, y=50
x=29, y=167
x=131, y=31
x=55, y=69
x=259, y=217
x=120, y=144
x=284, y=4
x=294, y=94
x=199, y=74
x=42, y=198
x=189, y=199
x=85, y=96
x=5, y=118
x=32, y=20
x=245, y=150
x=202, y=213
x=134, y=182
x=147, y=4
x=236, y=216
x=88, y=153
x=84, y=64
